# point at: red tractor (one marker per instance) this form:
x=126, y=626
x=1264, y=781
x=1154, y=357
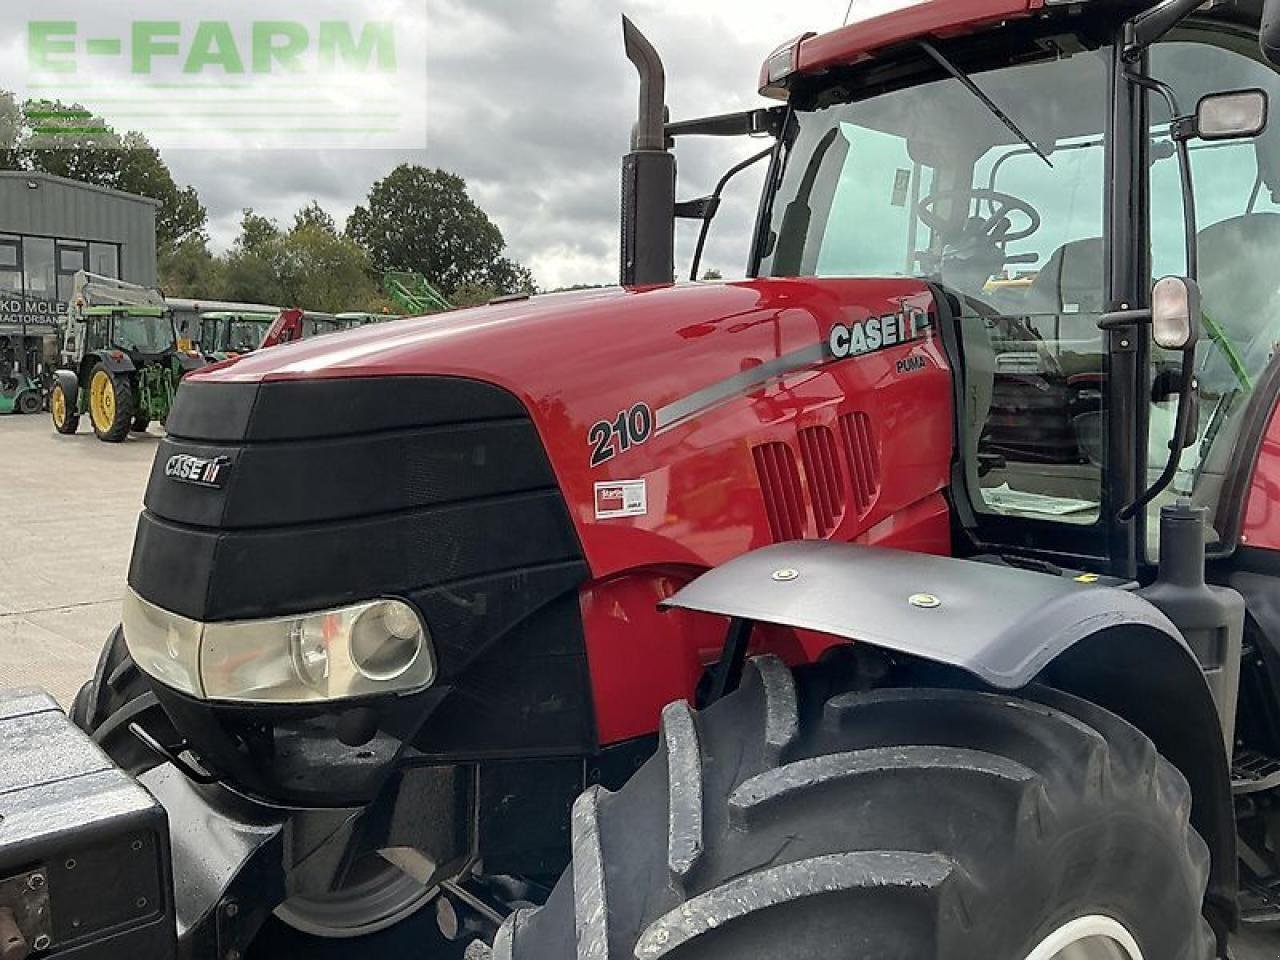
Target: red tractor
x=865, y=599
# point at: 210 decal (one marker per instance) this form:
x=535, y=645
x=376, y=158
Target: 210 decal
x=630, y=428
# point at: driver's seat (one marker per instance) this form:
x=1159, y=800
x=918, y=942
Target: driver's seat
x=1072, y=281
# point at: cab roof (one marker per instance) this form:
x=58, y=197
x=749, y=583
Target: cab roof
x=125, y=309
x=874, y=24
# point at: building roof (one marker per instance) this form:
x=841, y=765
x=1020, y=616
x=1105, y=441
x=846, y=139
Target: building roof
x=49, y=178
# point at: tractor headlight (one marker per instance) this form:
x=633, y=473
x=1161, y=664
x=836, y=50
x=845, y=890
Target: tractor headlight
x=377, y=647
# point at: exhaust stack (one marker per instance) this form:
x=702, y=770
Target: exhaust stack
x=648, y=174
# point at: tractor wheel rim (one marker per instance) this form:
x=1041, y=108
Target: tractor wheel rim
x=1089, y=938
x=58, y=403
x=377, y=895
x=102, y=401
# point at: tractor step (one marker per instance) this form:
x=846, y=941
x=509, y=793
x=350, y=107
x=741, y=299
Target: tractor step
x=1253, y=772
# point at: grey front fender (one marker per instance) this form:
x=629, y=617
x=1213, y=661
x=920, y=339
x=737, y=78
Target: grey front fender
x=1002, y=624
x=1008, y=627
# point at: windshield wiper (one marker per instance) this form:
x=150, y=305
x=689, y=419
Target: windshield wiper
x=987, y=102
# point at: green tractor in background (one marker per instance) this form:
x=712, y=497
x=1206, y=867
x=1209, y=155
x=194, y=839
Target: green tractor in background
x=121, y=362
x=230, y=333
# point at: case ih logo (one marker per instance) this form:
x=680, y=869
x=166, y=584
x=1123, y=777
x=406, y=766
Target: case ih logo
x=200, y=471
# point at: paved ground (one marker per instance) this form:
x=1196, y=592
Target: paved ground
x=67, y=511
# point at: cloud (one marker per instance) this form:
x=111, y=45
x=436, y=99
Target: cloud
x=532, y=103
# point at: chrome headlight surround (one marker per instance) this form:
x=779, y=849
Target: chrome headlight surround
x=377, y=647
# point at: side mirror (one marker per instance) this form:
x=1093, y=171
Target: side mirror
x=1234, y=115
x=1175, y=313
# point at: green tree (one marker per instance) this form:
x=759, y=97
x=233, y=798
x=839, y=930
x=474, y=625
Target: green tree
x=310, y=266
x=423, y=221
x=188, y=269
x=327, y=271
x=10, y=130
x=257, y=232
x=71, y=141
x=313, y=215
x=252, y=269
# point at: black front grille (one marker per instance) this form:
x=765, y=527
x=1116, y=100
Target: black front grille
x=343, y=490
x=433, y=489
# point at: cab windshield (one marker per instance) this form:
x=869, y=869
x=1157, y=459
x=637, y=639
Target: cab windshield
x=245, y=333
x=143, y=334
x=927, y=182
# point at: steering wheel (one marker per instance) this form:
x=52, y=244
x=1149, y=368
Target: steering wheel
x=994, y=227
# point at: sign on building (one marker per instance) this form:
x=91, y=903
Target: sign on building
x=36, y=315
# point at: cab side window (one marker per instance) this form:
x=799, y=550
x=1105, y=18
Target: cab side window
x=1237, y=192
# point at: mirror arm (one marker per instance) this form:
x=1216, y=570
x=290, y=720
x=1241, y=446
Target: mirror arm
x=1116, y=319
x=1180, y=131
x=714, y=206
x=767, y=121
x=1148, y=27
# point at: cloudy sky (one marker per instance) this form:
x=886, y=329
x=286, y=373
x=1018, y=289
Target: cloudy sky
x=533, y=103
x=530, y=100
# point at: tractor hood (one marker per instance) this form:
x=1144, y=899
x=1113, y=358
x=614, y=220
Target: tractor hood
x=599, y=344
x=627, y=387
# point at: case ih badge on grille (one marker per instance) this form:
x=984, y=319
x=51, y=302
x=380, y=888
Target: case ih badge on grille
x=199, y=471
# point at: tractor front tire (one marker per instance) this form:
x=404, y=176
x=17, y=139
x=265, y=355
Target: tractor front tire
x=30, y=402
x=787, y=821
x=111, y=404
x=63, y=410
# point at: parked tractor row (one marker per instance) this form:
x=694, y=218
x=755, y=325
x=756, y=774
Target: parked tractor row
x=121, y=349
x=125, y=349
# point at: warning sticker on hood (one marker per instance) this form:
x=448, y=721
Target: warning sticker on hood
x=621, y=498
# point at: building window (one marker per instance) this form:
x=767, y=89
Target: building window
x=72, y=258
x=38, y=268
x=10, y=264
x=104, y=260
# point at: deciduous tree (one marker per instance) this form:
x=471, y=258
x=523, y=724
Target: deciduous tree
x=424, y=221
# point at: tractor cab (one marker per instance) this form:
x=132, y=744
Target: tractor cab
x=121, y=359
x=1039, y=177
x=230, y=333
x=1001, y=182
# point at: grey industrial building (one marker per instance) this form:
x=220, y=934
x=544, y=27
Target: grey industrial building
x=51, y=228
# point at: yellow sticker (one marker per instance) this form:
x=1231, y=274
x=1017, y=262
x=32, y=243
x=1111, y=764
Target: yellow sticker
x=1088, y=578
